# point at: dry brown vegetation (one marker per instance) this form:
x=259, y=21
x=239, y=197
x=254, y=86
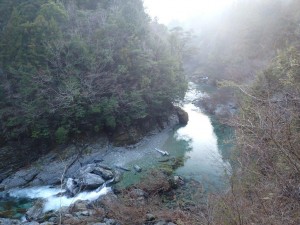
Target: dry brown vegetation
x=265, y=189
x=159, y=196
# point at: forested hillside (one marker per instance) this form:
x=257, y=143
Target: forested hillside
x=257, y=48
x=75, y=67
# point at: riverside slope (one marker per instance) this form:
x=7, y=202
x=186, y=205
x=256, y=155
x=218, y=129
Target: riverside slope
x=57, y=165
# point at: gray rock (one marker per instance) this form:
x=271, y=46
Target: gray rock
x=91, y=181
x=137, y=168
x=20, y=178
x=117, y=176
x=5, y=221
x=50, y=174
x=87, y=169
x=110, y=221
x=150, y=217
x=178, y=181
x=170, y=223
x=47, y=223
x=162, y=222
x=35, y=212
x=72, y=187
x=104, y=173
x=31, y=223
x=104, y=166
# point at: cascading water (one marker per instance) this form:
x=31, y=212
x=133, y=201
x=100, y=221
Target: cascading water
x=53, y=198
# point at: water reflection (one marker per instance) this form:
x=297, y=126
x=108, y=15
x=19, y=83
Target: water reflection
x=201, y=146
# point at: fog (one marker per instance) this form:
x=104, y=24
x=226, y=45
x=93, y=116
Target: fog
x=232, y=39
x=182, y=11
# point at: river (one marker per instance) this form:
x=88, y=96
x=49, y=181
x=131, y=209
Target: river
x=203, y=146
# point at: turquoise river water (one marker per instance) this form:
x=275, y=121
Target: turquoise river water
x=203, y=147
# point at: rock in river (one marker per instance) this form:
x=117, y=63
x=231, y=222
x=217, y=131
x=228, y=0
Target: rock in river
x=183, y=116
x=104, y=173
x=36, y=212
x=91, y=181
x=72, y=187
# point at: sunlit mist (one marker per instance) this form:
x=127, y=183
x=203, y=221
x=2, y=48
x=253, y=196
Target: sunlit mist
x=181, y=10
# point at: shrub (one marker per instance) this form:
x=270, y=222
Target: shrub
x=61, y=135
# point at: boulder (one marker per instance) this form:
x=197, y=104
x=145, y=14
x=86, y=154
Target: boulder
x=177, y=181
x=98, y=169
x=91, y=181
x=104, y=173
x=72, y=187
x=117, y=176
x=35, y=213
x=137, y=168
x=183, y=116
x=150, y=217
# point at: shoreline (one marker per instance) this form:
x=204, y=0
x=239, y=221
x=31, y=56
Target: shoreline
x=57, y=164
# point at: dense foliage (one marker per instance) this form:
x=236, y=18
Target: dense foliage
x=69, y=67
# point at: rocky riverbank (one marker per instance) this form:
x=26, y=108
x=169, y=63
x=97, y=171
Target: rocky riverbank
x=165, y=200
x=80, y=167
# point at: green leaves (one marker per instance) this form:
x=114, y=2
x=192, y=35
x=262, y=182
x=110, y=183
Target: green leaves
x=61, y=135
x=84, y=67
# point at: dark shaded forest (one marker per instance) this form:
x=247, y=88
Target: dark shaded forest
x=71, y=68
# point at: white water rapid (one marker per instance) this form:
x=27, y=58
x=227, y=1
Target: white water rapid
x=53, y=200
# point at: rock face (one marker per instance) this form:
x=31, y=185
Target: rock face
x=123, y=136
x=183, y=116
x=127, y=136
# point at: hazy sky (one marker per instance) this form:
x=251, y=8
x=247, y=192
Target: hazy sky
x=181, y=10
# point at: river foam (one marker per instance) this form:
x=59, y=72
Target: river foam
x=53, y=200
